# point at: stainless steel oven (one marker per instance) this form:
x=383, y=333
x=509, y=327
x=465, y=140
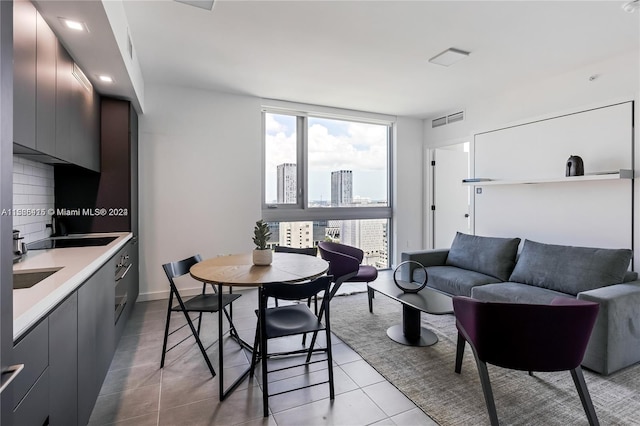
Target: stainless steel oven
x=123, y=265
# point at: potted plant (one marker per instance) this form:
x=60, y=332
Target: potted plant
x=261, y=254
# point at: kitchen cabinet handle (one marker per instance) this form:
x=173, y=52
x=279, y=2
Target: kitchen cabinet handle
x=125, y=272
x=13, y=372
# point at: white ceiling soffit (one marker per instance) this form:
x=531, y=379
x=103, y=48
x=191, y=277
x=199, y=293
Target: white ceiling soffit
x=102, y=50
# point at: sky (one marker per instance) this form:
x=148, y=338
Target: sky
x=333, y=145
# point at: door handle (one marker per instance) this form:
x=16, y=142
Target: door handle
x=12, y=372
x=466, y=215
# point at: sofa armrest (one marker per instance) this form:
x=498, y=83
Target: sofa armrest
x=615, y=340
x=425, y=257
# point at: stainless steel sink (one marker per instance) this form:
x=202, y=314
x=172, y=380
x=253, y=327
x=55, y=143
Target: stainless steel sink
x=30, y=277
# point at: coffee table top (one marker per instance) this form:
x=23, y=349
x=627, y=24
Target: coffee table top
x=426, y=300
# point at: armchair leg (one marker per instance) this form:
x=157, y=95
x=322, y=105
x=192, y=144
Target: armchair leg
x=488, y=393
x=460, y=352
x=585, y=398
x=370, y=295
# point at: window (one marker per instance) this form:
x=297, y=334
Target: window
x=327, y=178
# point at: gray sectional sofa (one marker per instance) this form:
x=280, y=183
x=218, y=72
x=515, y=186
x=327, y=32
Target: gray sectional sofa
x=491, y=269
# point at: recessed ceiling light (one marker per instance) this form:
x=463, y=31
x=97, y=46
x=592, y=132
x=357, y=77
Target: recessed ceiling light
x=449, y=57
x=74, y=25
x=105, y=78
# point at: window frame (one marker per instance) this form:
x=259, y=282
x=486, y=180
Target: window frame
x=300, y=211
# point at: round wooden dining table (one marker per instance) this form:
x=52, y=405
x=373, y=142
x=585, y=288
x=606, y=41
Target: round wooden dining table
x=239, y=270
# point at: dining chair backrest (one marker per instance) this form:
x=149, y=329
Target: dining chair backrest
x=296, y=291
x=309, y=251
x=344, y=261
x=181, y=267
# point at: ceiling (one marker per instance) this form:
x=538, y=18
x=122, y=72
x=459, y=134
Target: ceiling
x=362, y=55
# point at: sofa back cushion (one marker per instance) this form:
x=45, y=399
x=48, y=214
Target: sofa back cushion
x=488, y=255
x=570, y=269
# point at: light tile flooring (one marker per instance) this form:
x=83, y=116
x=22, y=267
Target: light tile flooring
x=137, y=392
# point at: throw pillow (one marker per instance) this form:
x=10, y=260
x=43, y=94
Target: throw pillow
x=488, y=255
x=570, y=269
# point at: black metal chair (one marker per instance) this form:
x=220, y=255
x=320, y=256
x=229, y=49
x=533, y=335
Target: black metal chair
x=281, y=321
x=203, y=302
x=309, y=251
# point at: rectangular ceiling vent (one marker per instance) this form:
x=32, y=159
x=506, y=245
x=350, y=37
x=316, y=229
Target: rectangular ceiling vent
x=438, y=122
x=458, y=116
x=447, y=119
x=82, y=79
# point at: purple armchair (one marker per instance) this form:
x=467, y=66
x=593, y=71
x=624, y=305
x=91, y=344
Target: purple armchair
x=344, y=265
x=526, y=337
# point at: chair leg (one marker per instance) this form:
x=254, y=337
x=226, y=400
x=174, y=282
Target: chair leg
x=166, y=329
x=265, y=382
x=332, y=393
x=460, y=352
x=486, y=390
x=370, y=296
x=585, y=398
x=256, y=348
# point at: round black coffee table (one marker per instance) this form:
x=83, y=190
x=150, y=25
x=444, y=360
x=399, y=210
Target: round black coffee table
x=428, y=300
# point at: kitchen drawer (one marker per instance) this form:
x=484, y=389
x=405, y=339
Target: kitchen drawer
x=33, y=352
x=34, y=408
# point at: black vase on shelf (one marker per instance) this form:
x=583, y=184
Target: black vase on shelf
x=575, y=166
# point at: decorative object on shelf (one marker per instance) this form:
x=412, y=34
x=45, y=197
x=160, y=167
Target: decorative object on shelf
x=262, y=255
x=575, y=166
x=411, y=287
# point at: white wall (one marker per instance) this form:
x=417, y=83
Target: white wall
x=617, y=80
x=200, y=178
x=409, y=190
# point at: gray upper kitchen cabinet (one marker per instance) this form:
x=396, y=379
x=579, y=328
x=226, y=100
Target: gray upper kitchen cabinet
x=56, y=109
x=24, y=73
x=46, y=46
x=63, y=363
x=64, y=77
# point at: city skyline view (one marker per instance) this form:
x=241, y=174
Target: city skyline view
x=365, y=145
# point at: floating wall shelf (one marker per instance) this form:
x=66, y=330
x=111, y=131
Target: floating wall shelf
x=621, y=174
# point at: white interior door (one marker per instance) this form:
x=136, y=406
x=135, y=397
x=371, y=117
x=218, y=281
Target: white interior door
x=451, y=198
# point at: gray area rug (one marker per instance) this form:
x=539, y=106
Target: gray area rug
x=426, y=376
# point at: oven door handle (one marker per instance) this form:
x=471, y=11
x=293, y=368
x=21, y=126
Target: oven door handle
x=122, y=275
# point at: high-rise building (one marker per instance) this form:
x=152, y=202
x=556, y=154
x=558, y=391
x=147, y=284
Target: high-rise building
x=341, y=188
x=287, y=183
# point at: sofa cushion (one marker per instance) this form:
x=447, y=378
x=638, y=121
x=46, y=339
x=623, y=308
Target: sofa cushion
x=515, y=293
x=570, y=269
x=487, y=255
x=452, y=280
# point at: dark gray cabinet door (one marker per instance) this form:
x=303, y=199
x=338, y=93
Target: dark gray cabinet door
x=64, y=76
x=45, y=88
x=95, y=337
x=84, y=126
x=63, y=363
x=24, y=73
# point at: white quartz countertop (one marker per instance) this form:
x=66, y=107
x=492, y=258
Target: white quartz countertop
x=77, y=263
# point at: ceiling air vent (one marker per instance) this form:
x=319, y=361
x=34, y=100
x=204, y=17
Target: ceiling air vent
x=439, y=122
x=79, y=75
x=458, y=116
x=447, y=119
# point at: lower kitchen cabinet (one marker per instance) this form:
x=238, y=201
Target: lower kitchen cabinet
x=67, y=354
x=34, y=407
x=96, y=337
x=63, y=363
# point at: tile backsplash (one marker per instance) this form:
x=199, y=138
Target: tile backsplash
x=33, y=198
